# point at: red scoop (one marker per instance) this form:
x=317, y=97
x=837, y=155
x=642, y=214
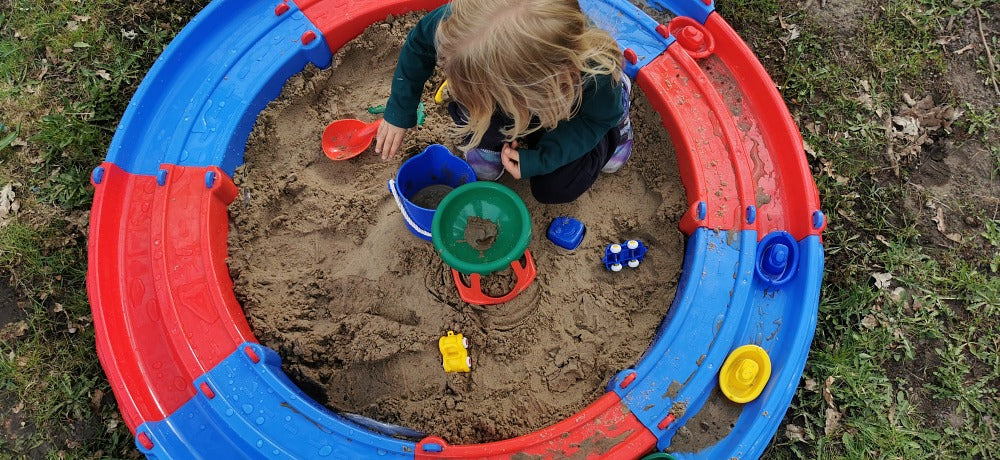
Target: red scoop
x=347, y=138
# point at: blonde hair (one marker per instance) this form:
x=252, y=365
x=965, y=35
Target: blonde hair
x=527, y=58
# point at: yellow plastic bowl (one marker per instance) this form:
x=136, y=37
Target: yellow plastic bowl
x=745, y=373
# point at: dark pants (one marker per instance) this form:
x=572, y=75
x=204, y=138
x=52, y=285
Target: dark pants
x=567, y=182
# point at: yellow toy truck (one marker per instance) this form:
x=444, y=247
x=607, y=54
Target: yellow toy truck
x=455, y=357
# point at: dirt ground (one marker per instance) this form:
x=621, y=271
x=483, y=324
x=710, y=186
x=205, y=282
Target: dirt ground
x=331, y=279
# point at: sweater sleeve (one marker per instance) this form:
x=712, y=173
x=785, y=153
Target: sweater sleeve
x=416, y=63
x=600, y=110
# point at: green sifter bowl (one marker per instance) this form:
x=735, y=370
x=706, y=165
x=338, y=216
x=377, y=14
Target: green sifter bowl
x=481, y=227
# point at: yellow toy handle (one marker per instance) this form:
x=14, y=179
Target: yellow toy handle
x=439, y=95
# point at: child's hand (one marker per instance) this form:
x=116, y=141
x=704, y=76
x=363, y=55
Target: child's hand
x=511, y=159
x=388, y=138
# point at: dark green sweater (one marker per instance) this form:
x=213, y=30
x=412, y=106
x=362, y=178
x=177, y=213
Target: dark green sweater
x=600, y=110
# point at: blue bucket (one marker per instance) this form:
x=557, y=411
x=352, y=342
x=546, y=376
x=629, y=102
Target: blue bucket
x=421, y=183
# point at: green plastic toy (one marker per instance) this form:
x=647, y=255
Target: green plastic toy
x=480, y=228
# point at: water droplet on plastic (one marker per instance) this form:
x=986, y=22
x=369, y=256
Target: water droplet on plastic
x=247, y=409
x=260, y=420
x=325, y=451
x=230, y=412
x=260, y=443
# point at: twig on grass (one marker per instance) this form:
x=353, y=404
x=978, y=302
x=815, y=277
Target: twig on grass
x=989, y=55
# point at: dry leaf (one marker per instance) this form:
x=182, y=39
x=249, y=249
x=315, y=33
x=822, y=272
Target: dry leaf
x=811, y=385
x=809, y=149
x=9, y=204
x=18, y=329
x=939, y=220
x=908, y=125
x=869, y=322
x=965, y=48
x=882, y=280
x=832, y=421
x=795, y=433
x=96, y=398
x=103, y=74
x=827, y=394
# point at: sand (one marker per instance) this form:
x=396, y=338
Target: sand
x=330, y=277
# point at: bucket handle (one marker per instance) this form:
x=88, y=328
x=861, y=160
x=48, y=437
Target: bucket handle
x=406, y=216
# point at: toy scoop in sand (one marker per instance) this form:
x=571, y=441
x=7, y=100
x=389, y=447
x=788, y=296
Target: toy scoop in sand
x=347, y=138
x=480, y=228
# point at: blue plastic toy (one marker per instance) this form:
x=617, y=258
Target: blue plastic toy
x=566, y=232
x=628, y=253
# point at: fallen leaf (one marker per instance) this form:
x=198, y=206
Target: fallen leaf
x=809, y=149
x=19, y=329
x=956, y=237
x=795, y=433
x=965, y=48
x=111, y=425
x=96, y=398
x=833, y=417
x=811, y=385
x=897, y=294
x=908, y=125
x=869, y=322
x=882, y=280
x=9, y=204
x=939, y=220
x=827, y=394
x=81, y=45
x=103, y=74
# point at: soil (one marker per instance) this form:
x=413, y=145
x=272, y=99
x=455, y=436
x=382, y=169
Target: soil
x=330, y=277
x=480, y=234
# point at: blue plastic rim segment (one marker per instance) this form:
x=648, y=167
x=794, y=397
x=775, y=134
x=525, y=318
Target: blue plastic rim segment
x=783, y=323
x=255, y=411
x=200, y=100
x=632, y=28
x=681, y=365
x=693, y=9
x=721, y=304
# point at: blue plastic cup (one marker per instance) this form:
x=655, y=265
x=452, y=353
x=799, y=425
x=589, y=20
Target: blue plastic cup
x=435, y=166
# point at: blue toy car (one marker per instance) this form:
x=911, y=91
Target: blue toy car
x=628, y=253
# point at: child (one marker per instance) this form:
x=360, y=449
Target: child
x=526, y=73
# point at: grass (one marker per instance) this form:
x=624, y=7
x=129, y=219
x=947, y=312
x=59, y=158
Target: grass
x=67, y=70
x=911, y=368
x=914, y=364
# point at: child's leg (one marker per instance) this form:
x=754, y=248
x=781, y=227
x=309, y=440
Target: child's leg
x=485, y=157
x=570, y=181
x=623, y=149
